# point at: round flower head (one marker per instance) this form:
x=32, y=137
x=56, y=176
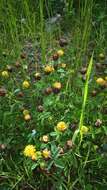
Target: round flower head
x=101, y=81
x=63, y=65
x=37, y=76
x=101, y=56
x=48, y=90
x=27, y=117
x=84, y=129
x=57, y=85
x=46, y=153
x=25, y=112
x=55, y=56
x=48, y=69
x=106, y=78
x=26, y=84
x=29, y=151
x=69, y=143
x=60, y=52
x=45, y=138
x=5, y=74
x=61, y=126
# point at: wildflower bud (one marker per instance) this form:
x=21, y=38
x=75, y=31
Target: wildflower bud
x=42, y=165
x=20, y=94
x=27, y=117
x=40, y=108
x=101, y=81
x=106, y=78
x=26, y=84
x=45, y=138
x=94, y=93
x=9, y=68
x=46, y=153
x=2, y=146
x=55, y=57
x=5, y=74
x=102, y=56
x=37, y=76
x=63, y=65
x=69, y=143
x=83, y=70
x=25, y=112
x=34, y=157
x=3, y=91
x=63, y=42
x=84, y=129
x=56, y=87
x=48, y=90
x=48, y=69
x=98, y=123
x=60, y=53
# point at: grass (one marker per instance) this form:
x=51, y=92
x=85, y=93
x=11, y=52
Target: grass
x=69, y=155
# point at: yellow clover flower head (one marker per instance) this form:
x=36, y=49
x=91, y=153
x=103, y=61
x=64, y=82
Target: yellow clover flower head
x=26, y=84
x=106, y=78
x=48, y=69
x=57, y=85
x=45, y=138
x=29, y=151
x=27, y=117
x=101, y=81
x=61, y=126
x=101, y=56
x=60, y=52
x=84, y=129
x=46, y=153
x=25, y=112
x=63, y=65
x=5, y=74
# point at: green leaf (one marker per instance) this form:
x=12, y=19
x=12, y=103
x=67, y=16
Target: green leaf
x=59, y=164
x=105, y=129
x=88, y=187
x=53, y=134
x=34, y=166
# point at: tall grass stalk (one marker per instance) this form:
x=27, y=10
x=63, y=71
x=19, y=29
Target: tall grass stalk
x=84, y=26
x=86, y=16
x=42, y=34
x=84, y=102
